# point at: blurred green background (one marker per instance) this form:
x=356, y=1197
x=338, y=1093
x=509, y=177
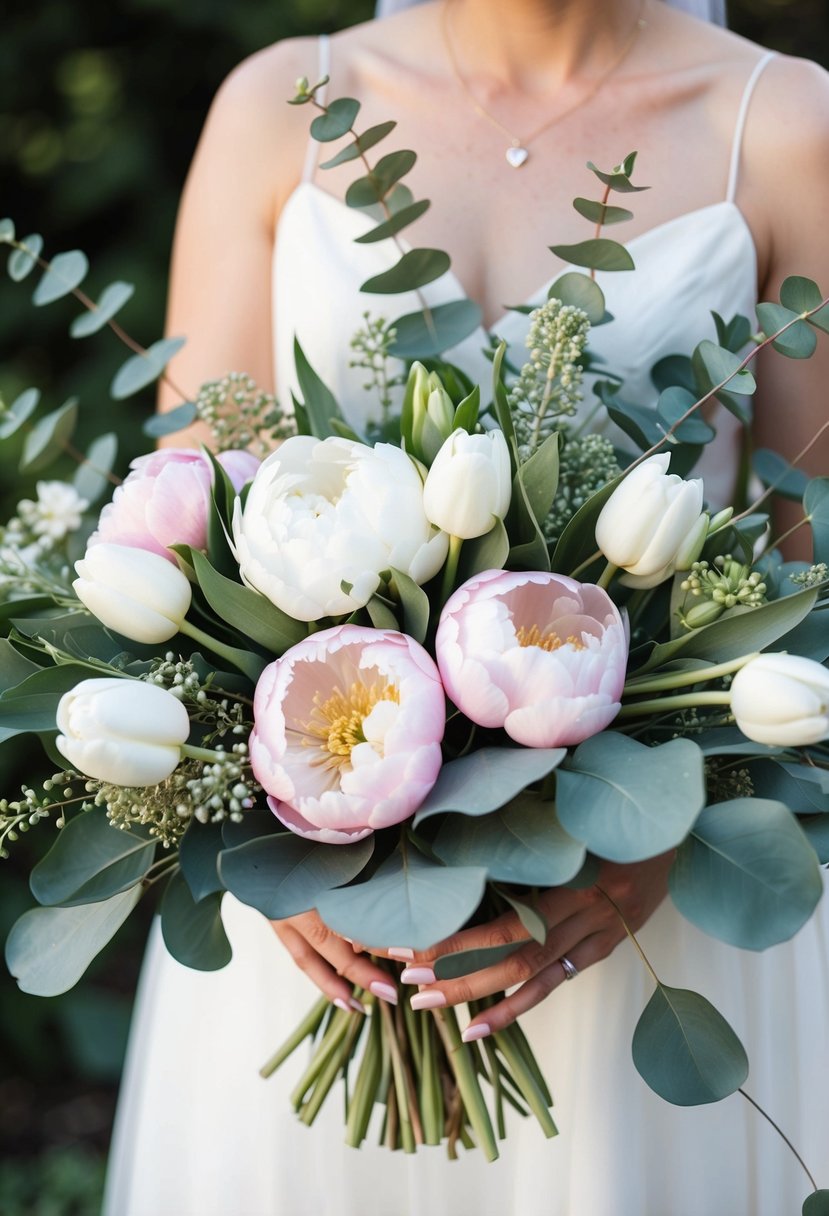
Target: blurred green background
x=100, y=109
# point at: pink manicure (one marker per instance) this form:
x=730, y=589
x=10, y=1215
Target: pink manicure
x=400, y=952
x=418, y=975
x=341, y=1004
x=356, y=1005
x=386, y=992
x=427, y=1000
x=479, y=1031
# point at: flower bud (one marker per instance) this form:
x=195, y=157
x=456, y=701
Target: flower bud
x=701, y=613
x=468, y=487
x=122, y=731
x=432, y=412
x=782, y=700
x=136, y=593
x=652, y=522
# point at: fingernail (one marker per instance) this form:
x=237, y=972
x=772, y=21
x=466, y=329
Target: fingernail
x=427, y=1000
x=386, y=992
x=341, y=1004
x=417, y=975
x=356, y=1005
x=479, y=1031
x=401, y=952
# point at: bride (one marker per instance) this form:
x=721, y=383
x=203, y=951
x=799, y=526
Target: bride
x=503, y=104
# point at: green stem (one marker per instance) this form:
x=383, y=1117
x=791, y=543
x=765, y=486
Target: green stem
x=451, y=568
x=663, y=704
x=460, y=1059
x=782, y=1136
x=606, y=576
x=682, y=679
x=201, y=753
x=243, y=660
x=588, y=561
x=306, y=1028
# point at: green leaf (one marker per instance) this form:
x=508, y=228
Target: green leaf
x=522, y=842
x=23, y=261
x=193, y=931
x=798, y=342
x=320, y=404
x=816, y=506
x=382, y=616
x=33, y=704
x=285, y=875
x=46, y=440
x=170, y=421
x=671, y=371
x=539, y=478
x=6, y=231
x=816, y=1204
x=409, y=900
x=91, y=478
x=466, y=415
x=747, y=874
x=64, y=273
x=530, y=917
x=111, y=300
x=774, y=469
x=501, y=406
x=598, y=253
x=14, y=667
x=639, y=422
x=425, y=336
x=601, y=213
x=580, y=291
x=733, y=335
x=686, y=1051
x=464, y=962
x=415, y=604
x=487, y=779
x=416, y=268
x=198, y=856
x=672, y=404
x=627, y=801
x=141, y=370
x=802, y=295
x=49, y=949
x=360, y=145
x=404, y=217
x=372, y=189
x=487, y=552
x=578, y=540
x=20, y=410
x=337, y=121
x=619, y=179
x=245, y=610
x=712, y=365
x=90, y=861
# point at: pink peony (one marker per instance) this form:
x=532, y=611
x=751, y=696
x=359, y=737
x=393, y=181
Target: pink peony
x=165, y=499
x=539, y=654
x=347, y=732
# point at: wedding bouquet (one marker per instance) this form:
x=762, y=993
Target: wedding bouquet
x=410, y=677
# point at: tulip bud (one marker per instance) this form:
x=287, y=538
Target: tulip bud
x=652, y=521
x=782, y=700
x=431, y=411
x=136, y=593
x=124, y=732
x=468, y=487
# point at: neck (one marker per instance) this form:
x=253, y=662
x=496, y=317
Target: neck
x=538, y=45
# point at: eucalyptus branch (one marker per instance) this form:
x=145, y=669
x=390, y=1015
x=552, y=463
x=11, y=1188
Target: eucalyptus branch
x=598, y=231
x=793, y=463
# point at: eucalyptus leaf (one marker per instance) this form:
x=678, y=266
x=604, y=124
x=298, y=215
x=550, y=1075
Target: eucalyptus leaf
x=672, y=404
x=774, y=470
x=686, y=1051
x=487, y=779
x=20, y=410
x=734, y=334
x=601, y=213
x=245, y=610
x=91, y=861
x=375, y=186
x=198, y=856
x=92, y=475
x=640, y=423
x=360, y=145
x=714, y=365
x=23, y=261
x=674, y=371
x=14, y=667
x=627, y=801
x=32, y=705
x=193, y=931
x=790, y=784
x=816, y=830
x=409, y=901
x=111, y=300
x=598, y=253
x=416, y=268
x=396, y=223
x=140, y=370
x=337, y=120
x=522, y=842
x=530, y=917
x=170, y=421
x=800, y=294
x=580, y=291
x=747, y=874
x=465, y=962
x=420, y=335
x=816, y=1204
x=619, y=180
x=284, y=875
x=816, y=506
x=49, y=949
x=6, y=231
x=48, y=437
x=798, y=341
x=65, y=272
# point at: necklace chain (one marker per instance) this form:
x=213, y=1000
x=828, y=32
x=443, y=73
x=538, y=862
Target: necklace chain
x=518, y=151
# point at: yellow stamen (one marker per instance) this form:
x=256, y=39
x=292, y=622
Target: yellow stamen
x=546, y=641
x=336, y=724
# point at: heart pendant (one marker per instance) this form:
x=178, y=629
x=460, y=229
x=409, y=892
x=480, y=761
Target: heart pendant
x=516, y=155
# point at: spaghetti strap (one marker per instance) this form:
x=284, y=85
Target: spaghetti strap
x=324, y=65
x=737, y=143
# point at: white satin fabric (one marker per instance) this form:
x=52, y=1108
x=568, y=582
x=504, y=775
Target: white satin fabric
x=200, y=1134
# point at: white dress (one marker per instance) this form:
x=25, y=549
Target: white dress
x=200, y=1134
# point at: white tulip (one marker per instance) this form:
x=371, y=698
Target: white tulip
x=324, y=518
x=782, y=700
x=653, y=523
x=469, y=485
x=124, y=732
x=136, y=593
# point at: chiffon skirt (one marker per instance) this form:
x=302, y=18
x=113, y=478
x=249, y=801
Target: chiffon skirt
x=199, y=1133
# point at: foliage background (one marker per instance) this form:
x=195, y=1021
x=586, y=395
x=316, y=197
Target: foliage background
x=100, y=109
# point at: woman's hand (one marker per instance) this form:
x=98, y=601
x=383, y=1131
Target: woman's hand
x=583, y=925
x=331, y=962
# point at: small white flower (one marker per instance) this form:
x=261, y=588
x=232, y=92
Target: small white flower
x=57, y=511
